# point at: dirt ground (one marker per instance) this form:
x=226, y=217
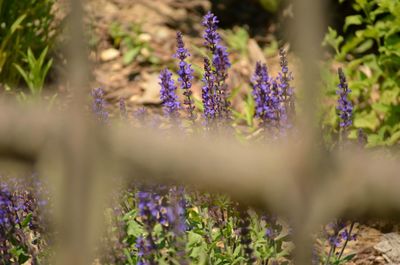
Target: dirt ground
x=137, y=81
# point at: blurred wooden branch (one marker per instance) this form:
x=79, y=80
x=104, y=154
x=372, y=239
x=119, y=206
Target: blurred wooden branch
x=353, y=184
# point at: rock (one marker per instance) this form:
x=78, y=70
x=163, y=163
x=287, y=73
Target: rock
x=109, y=54
x=161, y=34
x=151, y=88
x=144, y=37
x=389, y=247
x=255, y=52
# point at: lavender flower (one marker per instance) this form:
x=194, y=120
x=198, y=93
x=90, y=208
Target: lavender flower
x=179, y=209
x=185, y=73
x=336, y=232
x=344, y=107
x=285, y=77
x=99, y=104
x=178, y=222
x=221, y=64
x=167, y=94
x=19, y=217
x=361, y=137
x=139, y=116
x=149, y=212
x=267, y=97
x=151, y=209
x=211, y=37
x=208, y=93
x=245, y=236
x=333, y=233
x=154, y=208
x=145, y=248
x=122, y=108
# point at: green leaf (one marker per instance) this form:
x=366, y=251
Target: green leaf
x=128, y=257
x=348, y=257
x=17, y=23
x=24, y=75
x=366, y=121
x=131, y=55
x=234, y=92
x=249, y=109
x=364, y=46
x=374, y=140
x=394, y=138
x=237, y=39
x=332, y=39
x=26, y=220
x=352, y=20
x=134, y=229
x=381, y=107
x=270, y=5
x=389, y=96
x=194, y=239
x=199, y=104
x=20, y=254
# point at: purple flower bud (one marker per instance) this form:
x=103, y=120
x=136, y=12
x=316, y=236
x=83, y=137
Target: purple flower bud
x=220, y=63
x=167, y=94
x=284, y=79
x=268, y=98
x=345, y=107
x=185, y=73
x=245, y=236
x=211, y=37
x=122, y=108
x=99, y=104
x=208, y=93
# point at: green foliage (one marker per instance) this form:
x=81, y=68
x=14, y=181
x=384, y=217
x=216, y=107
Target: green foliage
x=37, y=71
x=24, y=24
x=212, y=236
x=270, y=5
x=371, y=47
x=134, y=43
x=237, y=40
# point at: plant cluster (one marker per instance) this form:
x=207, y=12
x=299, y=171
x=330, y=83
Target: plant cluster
x=175, y=225
x=22, y=222
x=27, y=29
x=370, y=47
x=134, y=44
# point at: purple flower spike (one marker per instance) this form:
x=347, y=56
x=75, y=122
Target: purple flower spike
x=185, y=73
x=122, y=109
x=167, y=94
x=99, y=104
x=208, y=92
x=211, y=37
x=284, y=78
x=344, y=107
x=220, y=63
x=267, y=97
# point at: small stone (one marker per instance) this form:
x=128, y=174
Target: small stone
x=116, y=66
x=145, y=52
x=109, y=54
x=389, y=247
x=162, y=34
x=144, y=37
